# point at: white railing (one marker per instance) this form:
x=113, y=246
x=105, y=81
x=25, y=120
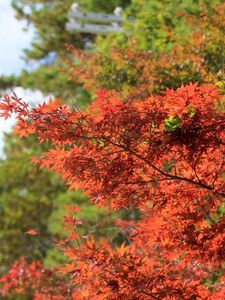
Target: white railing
x=79, y=21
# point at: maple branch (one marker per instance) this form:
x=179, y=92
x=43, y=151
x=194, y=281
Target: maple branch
x=167, y=175
x=141, y=290
x=194, y=169
x=175, y=167
x=172, y=177
x=148, y=181
x=218, y=172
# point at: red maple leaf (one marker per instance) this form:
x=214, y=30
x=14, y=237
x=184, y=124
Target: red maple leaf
x=31, y=232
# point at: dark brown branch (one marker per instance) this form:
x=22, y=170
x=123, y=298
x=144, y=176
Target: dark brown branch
x=173, y=177
x=218, y=172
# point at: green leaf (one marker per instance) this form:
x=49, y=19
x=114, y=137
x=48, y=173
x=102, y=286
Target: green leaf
x=172, y=123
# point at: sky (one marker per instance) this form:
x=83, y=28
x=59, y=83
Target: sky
x=13, y=40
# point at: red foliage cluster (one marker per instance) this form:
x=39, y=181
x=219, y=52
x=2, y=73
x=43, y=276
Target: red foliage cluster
x=164, y=155
x=33, y=278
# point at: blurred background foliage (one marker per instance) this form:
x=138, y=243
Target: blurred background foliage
x=170, y=43
x=192, y=51
x=48, y=50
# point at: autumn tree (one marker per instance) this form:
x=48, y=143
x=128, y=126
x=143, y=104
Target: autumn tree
x=158, y=23
x=164, y=155
x=138, y=73
x=160, y=155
